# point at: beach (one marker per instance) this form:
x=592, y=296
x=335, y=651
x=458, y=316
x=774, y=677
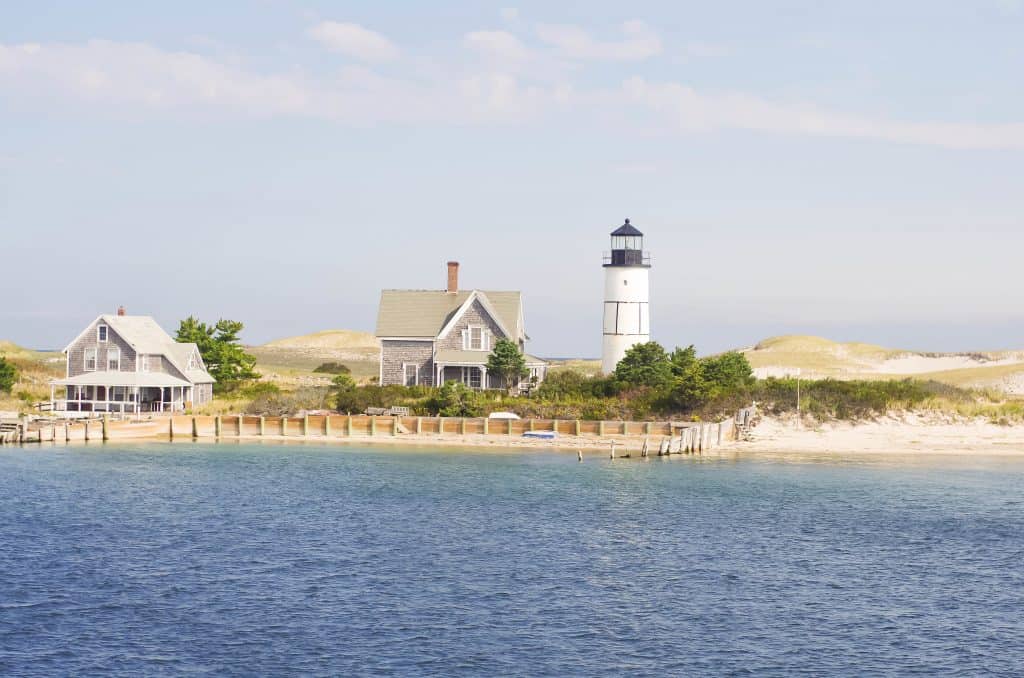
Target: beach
x=898, y=433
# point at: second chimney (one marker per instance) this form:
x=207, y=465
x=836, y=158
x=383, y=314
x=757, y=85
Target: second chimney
x=453, y=276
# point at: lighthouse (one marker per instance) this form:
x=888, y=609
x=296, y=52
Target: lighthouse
x=627, y=319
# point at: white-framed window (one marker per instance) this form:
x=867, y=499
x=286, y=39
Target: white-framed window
x=113, y=360
x=193, y=362
x=90, y=360
x=476, y=338
x=144, y=363
x=471, y=377
x=101, y=332
x=410, y=374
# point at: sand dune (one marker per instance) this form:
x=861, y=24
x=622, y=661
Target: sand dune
x=817, y=357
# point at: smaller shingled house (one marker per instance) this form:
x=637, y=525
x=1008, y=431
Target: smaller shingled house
x=129, y=364
x=429, y=337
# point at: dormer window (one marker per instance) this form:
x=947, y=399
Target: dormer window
x=476, y=338
x=101, y=332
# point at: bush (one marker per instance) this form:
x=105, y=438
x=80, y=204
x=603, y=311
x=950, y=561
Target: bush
x=8, y=375
x=333, y=368
x=277, y=404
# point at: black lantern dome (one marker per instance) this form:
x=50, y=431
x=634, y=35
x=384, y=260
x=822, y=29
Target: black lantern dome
x=627, y=247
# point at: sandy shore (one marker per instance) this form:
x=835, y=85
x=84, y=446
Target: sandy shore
x=896, y=434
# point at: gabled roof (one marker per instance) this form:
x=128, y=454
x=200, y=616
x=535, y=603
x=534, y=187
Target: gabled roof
x=626, y=229
x=143, y=334
x=423, y=314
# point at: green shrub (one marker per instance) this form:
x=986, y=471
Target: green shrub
x=333, y=368
x=8, y=375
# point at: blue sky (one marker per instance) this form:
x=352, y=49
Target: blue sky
x=845, y=169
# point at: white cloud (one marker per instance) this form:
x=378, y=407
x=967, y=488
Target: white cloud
x=499, y=44
x=640, y=42
x=694, y=111
x=354, y=41
x=121, y=79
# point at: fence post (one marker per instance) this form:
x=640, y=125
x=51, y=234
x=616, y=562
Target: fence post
x=440, y=424
x=554, y=425
x=105, y=436
x=284, y=426
x=419, y=425
x=600, y=428
x=263, y=425
x=195, y=427
x=373, y=425
x=241, y=424
x=719, y=435
x=647, y=428
x=170, y=428
x=216, y=426
x=327, y=425
x=486, y=426
x=348, y=426
x=67, y=432
x=531, y=424
x=577, y=427
x=394, y=426
x=462, y=426
x=510, y=427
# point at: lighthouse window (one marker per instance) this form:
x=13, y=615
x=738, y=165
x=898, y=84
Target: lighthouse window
x=625, y=282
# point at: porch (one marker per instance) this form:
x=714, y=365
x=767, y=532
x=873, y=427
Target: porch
x=121, y=393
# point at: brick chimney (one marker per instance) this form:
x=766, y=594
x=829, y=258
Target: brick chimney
x=453, y=277
x=120, y=310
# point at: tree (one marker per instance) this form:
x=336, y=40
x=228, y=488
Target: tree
x=727, y=371
x=343, y=388
x=507, y=361
x=8, y=375
x=455, y=399
x=689, y=386
x=221, y=349
x=645, y=365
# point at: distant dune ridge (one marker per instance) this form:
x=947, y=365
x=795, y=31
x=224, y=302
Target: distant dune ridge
x=817, y=357
x=329, y=339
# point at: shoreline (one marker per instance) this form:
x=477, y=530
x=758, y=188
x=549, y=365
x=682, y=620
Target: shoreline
x=907, y=434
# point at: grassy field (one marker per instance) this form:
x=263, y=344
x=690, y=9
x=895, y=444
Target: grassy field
x=36, y=369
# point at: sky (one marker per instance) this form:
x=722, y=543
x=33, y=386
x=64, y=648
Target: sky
x=846, y=169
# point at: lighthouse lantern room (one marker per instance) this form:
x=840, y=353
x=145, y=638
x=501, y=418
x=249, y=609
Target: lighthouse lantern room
x=627, y=319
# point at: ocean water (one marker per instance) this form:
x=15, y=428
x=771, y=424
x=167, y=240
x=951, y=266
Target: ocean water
x=267, y=559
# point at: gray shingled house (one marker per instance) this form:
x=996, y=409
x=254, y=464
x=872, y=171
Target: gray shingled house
x=429, y=337
x=128, y=364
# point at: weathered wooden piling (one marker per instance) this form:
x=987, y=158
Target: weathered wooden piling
x=327, y=426
x=373, y=425
x=263, y=425
x=170, y=428
x=195, y=428
x=419, y=425
x=348, y=425
x=305, y=425
x=217, y=423
x=284, y=426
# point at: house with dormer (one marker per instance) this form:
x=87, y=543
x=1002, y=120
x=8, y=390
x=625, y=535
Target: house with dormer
x=429, y=337
x=128, y=364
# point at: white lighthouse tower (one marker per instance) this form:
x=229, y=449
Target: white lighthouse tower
x=627, y=319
